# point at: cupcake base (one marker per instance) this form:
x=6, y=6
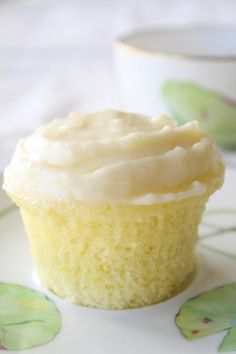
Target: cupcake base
x=114, y=256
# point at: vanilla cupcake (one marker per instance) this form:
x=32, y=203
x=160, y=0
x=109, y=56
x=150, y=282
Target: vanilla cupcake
x=111, y=203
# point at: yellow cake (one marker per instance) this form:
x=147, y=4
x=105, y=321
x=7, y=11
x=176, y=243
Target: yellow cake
x=111, y=203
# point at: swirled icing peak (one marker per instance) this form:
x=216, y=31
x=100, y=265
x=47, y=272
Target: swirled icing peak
x=112, y=157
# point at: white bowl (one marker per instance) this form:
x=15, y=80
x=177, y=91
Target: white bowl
x=187, y=72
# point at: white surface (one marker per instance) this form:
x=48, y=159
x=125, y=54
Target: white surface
x=56, y=55
x=149, y=330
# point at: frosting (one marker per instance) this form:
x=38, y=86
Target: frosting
x=112, y=157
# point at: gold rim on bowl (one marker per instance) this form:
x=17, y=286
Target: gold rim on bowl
x=123, y=42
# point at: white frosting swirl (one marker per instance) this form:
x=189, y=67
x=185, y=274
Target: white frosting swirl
x=112, y=157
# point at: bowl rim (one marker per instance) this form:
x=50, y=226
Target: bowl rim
x=122, y=42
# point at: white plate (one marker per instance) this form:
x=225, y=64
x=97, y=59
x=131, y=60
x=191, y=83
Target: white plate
x=149, y=330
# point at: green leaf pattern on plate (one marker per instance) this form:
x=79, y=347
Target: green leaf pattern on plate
x=217, y=222
x=208, y=313
x=27, y=318
x=215, y=113
x=229, y=342
x=215, y=310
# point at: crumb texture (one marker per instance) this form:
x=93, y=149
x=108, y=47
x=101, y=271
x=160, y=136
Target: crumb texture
x=114, y=256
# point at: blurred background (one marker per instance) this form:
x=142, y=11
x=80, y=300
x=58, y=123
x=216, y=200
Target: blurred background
x=56, y=55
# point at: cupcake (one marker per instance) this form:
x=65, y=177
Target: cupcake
x=111, y=204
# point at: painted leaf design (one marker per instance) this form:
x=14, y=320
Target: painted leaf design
x=27, y=318
x=229, y=342
x=208, y=313
x=220, y=219
x=215, y=113
x=218, y=222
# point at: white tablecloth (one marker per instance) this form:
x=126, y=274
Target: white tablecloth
x=56, y=55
